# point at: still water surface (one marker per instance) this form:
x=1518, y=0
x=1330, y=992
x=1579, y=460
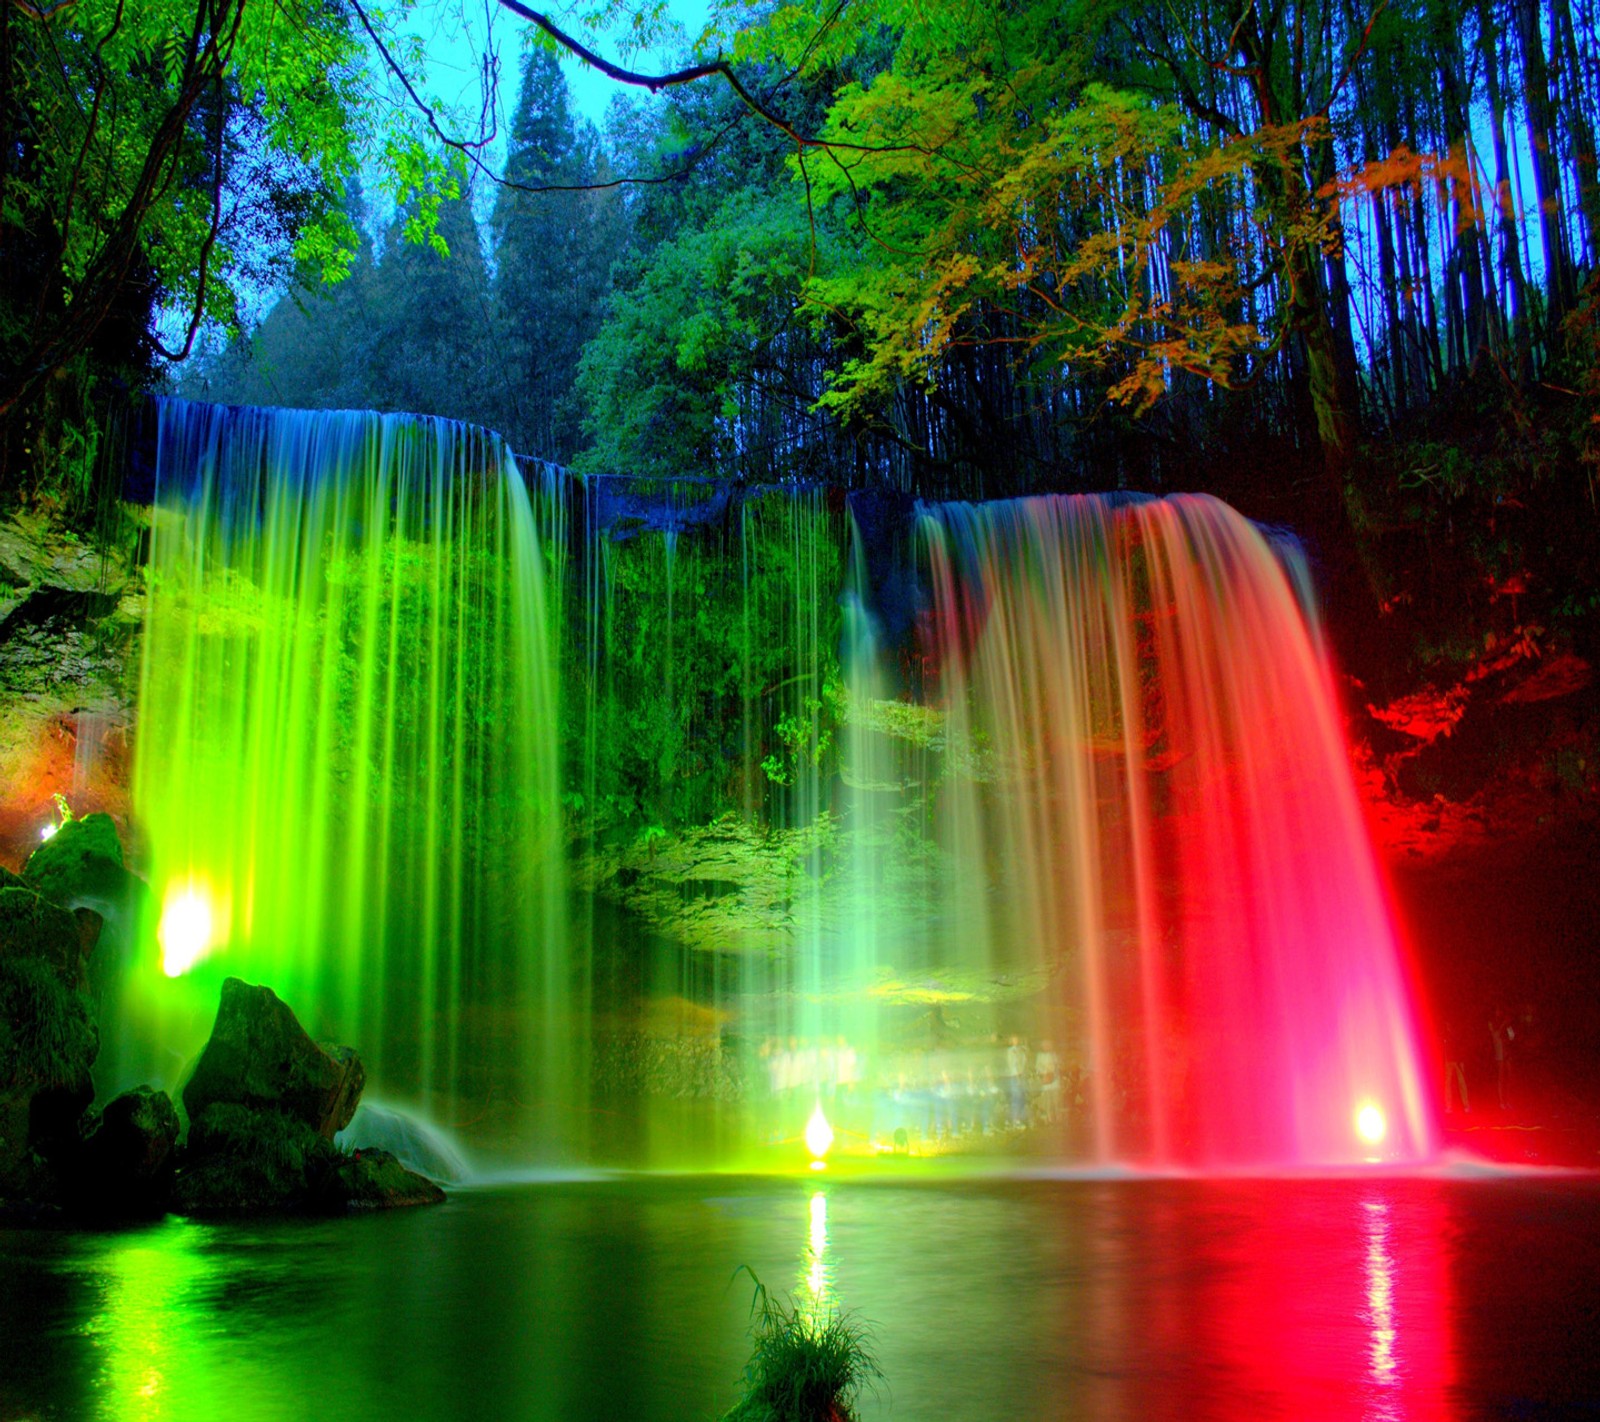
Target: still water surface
x=1293, y=1299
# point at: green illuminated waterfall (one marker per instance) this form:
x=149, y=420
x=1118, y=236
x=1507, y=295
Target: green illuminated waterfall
x=346, y=774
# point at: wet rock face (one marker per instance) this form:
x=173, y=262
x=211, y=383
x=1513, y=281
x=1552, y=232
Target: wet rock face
x=260, y=1057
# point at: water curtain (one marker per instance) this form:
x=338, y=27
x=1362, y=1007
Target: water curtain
x=346, y=771
x=1159, y=817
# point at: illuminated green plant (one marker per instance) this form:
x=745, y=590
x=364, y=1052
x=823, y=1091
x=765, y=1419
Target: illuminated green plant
x=805, y=1366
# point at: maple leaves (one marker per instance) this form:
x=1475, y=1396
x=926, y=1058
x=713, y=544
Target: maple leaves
x=987, y=196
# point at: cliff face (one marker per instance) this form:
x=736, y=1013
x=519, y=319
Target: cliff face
x=69, y=617
x=1469, y=655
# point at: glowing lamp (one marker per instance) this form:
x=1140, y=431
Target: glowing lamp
x=818, y=1137
x=185, y=930
x=1370, y=1124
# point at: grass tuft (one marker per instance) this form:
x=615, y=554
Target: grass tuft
x=805, y=1367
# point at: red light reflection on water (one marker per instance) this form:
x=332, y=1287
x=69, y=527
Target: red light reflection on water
x=1321, y=1300
x=1338, y=1306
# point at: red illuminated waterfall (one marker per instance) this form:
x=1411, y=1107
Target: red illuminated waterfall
x=1168, y=829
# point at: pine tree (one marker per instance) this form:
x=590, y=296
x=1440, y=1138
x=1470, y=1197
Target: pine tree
x=552, y=252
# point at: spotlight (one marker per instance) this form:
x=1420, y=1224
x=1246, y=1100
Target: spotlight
x=818, y=1138
x=185, y=931
x=1370, y=1123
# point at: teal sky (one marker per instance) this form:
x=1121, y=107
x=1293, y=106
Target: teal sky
x=458, y=33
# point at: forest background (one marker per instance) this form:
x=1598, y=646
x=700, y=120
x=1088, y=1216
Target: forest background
x=1333, y=261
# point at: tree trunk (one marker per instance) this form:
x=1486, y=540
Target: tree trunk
x=1505, y=199
x=1546, y=176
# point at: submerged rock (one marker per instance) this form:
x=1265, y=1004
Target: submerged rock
x=127, y=1162
x=259, y=1056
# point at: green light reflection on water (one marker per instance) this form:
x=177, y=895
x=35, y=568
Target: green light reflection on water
x=153, y=1364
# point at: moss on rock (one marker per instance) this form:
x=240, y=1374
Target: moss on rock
x=82, y=860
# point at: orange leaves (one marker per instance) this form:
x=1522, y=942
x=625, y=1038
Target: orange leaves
x=1405, y=175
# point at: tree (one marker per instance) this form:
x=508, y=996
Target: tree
x=407, y=330
x=156, y=160
x=553, y=253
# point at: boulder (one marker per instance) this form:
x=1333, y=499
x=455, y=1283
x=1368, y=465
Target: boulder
x=81, y=862
x=374, y=1180
x=260, y=1057
x=243, y=1159
x=48, y=1043
x=125, y=1167
x=33, y=927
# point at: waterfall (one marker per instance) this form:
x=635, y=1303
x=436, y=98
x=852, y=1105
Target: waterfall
x=1160, y=823
x=346, y=778
x=1024, y=826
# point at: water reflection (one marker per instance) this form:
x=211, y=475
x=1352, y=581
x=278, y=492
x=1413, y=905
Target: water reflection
x=148, y=1288
x=1302, y=1300
x=1380, y=1305
x=814, y=1269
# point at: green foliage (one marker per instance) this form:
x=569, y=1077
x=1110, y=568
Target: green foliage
x=805, y=1366
x=553, y=251
x=704, y=646
x=406, y=332
x=806, y=736
x=673, y=381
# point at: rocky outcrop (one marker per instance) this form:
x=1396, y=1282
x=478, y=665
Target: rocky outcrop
x=264, y=1103
x=259, y=1056
x=126, y=1164
x=48, y=1041
x=80, y=863
x=246, y=1160
x=375, y=1180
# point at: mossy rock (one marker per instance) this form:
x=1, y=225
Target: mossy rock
x=125, y=1168
x=48, y=1040
x=245, y=1160
x=82, y=860
x=33, y=927
x=259, y=1056
x=375, y=1180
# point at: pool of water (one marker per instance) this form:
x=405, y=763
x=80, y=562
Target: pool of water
x=987, y=1299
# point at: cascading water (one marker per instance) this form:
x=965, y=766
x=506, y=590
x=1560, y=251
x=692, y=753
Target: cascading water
x=345, y=776
x=1041, y=838
x=1157, y=821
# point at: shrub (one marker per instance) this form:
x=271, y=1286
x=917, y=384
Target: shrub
x=806, y=1366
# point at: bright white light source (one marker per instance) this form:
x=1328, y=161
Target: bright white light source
x=819, y=1136
x=1370, y=1124
x=49, y=831
x=185, y=931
